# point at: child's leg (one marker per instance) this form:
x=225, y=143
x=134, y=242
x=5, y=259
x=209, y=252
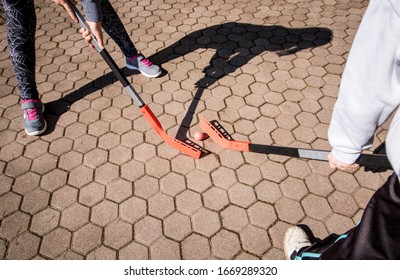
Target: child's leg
x=21, y=27
x=112, y=24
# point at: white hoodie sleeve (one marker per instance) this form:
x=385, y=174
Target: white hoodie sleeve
x=370, y=87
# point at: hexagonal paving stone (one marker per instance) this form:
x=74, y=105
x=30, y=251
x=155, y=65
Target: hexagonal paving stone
x=134, y=251
x=35, y=201
x=55, y=242
x=289, y=210
x=294, y=188
x=344, y=182
x=95, y=158
x=223, y=177
x=14, y=225
x=172, y=184
x=91, y=194
x=35, y=149
x=132, y=170
x=80, y=176
x=339, y=224
x=249, y=174
x=60, y=146
x=195, y=247
x=225, y=245
x=165, y=249
x=241, y=195
x=132, y=209
x=297, y=168
x=319, y=185
x=231, y=159
x=362, y=196
x=343, y=203
x=177, y=226
x=147, y=230
x=234, y=218
x=26, y=183
x=255, y=240
x=53, y=180
x=15, y=150
x=144, y=152
x=268, y=191
x=64, y=197
x=182, y=164
x=262, y=215
x=45, y=221
x=18, y=167
x=215, y=198
x=102, y=253
x=85, y=143
x=205, y=222
x=70, y=160
x=161, y=205
x=120, y=154
x=24, y=247
x=145, y=187
x=273, y=171
x=86, y=239
x=5, y=184
x=188, y=202
x=119, y=190
x=316, y=207
x=118, y=234
x=157, y=167
x=74, y=217
x=104, y=212
x=106, y=173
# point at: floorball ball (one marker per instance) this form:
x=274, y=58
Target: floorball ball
x=198, y=135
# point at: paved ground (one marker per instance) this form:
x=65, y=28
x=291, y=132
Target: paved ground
x=102, y=185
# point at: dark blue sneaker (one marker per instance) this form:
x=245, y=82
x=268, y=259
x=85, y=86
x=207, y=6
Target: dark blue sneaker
x=145, y=66
x=34, y=122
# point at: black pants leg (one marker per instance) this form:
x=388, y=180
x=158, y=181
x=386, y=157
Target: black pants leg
x=112, y=24
x=21, y=28
x=376, y=237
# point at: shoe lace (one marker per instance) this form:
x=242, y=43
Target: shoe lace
x=146, y=62
x=31, y=114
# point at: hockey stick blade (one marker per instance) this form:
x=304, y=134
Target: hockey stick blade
x=177, y=144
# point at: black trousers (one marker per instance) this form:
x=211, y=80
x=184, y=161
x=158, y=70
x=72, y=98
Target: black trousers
x=21, y=28
x=376, y=237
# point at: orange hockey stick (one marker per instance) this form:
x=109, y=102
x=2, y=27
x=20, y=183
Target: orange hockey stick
x=144, y=109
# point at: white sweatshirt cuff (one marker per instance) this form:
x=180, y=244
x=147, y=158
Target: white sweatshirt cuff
x=347, y=158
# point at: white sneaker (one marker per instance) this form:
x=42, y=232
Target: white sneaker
x=295, y=239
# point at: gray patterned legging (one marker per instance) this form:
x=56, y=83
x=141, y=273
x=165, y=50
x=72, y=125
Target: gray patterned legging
x=21, y=27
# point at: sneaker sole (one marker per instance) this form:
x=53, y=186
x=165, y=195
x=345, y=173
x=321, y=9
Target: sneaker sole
x=144, y=73
x=288, y=232
x=35, y=133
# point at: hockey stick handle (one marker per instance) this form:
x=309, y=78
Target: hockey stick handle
x=366, y=160
x=108, y=59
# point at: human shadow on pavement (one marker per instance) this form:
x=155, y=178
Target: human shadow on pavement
x=235, y=44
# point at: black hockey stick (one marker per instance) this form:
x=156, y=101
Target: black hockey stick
x=217, y=133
